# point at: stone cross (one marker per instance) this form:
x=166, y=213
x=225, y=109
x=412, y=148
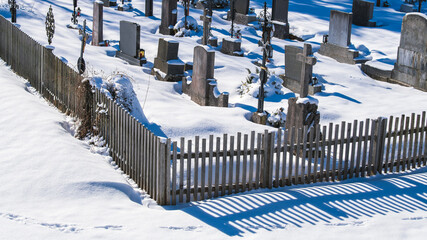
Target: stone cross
x=98, y=18
x=206, y=27
x=307, y=60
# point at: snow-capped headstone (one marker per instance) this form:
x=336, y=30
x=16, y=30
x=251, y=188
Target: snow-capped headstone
x=339, y=39
x=109, y=3
x=295, y=69
x=167, y=65
x=130, y=50
x=242, y=14
x=232, y=46
x=301, y=112
x=98, y=22
x=203, y=87
x=279, y=18
x=411, y=65
x=363, y=11
x=169, y=17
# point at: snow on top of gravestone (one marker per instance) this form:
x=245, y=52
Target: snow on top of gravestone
x=207, y=48
x=310, y=100
x=170, y=40
x=230, y=39
x=418, y=14
x=99, y=1
x=176, y=62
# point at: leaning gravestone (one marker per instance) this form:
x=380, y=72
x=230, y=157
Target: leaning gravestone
x=130, y=50
x=242, y=15
x=363, y=11
x=169, y=17
x=97, y=32
x=295, y=70
x=280, y=18
x=167, y=65
x=411, y=65
x=338, y=39
x=203, y=87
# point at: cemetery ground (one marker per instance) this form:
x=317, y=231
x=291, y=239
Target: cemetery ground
x=70, y=192
x=55, y=186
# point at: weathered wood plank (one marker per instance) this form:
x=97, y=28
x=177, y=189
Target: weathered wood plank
x=210, y=167
x=323, y=156
x=400, y=157
x=231, y=167
x=203, y=170
x=277, y=162
x=411, y=142
x=285, y=157
x=328, y=158
x=405, y=145
x=224, y=164
x=189, y=150
x=334, y=158
x=217, y=156
x=388, y=145
x=423, y=140
x=365, y=148
x=347, y=152
x=393, y=147
x=258, y=162
x=353, y=149
x=316, y=153
x=237, y=179
x=291, y=158
x=341, y=152
x=297, y=156
x=307, y=143
x=174, y=175
x=251, y=160
x=181, y=171
x=196, y=167
x=415, y=152
x=245, y=162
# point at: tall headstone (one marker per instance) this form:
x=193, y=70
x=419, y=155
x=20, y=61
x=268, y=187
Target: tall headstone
x=294, y=69
x=411, y=65
x=363, y=11
x=242, y=14
x=169, y=17
x=203, y=87
x=130, y=51
x=339, y=39
x=167, y=65
x=98, y=22
x=279, y=18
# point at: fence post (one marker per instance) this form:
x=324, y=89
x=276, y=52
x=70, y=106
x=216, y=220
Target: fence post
x=378, y=148
x=266, y=160
x=163, y=175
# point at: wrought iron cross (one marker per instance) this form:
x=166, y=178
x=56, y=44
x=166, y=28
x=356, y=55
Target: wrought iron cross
x=232, y=15
x=13, y=6
x=81, y=65
x=50, y=25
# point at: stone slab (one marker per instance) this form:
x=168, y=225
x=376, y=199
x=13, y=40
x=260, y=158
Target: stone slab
x=231, y=47
x=241, y=6
x=340, y=28
x=411, y=65
x=243, y=19
x=98, y=23
x=169, y=17
x=130, y=38
x=280, y=10
x=376, y=73
x=340, y=54
x=363, y=12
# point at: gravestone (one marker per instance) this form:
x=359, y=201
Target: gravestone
x=167, y=65
x=203, y=87
x=411, y=65
x=206, y=38
x=109, y=3
x=242, y=15
x=98, y=21
x=169, y=17
x=339, y=38
x=295, y=68
x=301, y=112
x=363, y=11
x=130, y=50
x=232, y=46
x=279, y=18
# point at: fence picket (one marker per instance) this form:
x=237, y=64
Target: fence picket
x=224, y=165
x=217, y=156
x=328, y=158
x=181, y=171
x=203, y=170
x=416, y=142
x=322, y=156
x=277, y=162
x=422, y=141
x=189, y=149
x=308, y=132
x=230, y=167
x=258, y=161
x=353, y=149
x=298, y=179
x=238, y=145
x=285, y=156
x=365, y=148
x=245, y=162
x=405, y=157
x=388, y=147
x=347, y=150
x=316, y=154
x=251, y=160
x=196, y=168
x=174, y=175
x=334, y=158
x=210, y=167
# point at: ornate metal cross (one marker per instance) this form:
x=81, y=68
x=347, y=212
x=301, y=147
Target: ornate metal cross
x=50, y=25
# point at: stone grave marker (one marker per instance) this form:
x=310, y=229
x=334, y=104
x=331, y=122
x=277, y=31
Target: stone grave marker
x=295, y=70
x=301, y=112
x=363, y=11
x=98, y=22
x=109, y=3
x=411, y=65
x=148, y=8
x=169, y=17
x=206, y=39
x=130, y=50
x=167, y=65
x=279, y=18
x=203, y=87
x=339, y=39
x=232, y=46
x=242, y=15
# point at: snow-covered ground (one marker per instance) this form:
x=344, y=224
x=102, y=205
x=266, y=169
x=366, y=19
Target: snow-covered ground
x=348, y=93
x=54, y=186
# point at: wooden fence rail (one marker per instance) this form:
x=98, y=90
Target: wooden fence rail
x=200, y=168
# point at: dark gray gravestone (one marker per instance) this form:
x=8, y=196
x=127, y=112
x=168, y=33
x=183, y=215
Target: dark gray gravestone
x=169, y=17
x=129, y=43
x=232, y=46
x=148, y=8
x=242, y=6
x=301, y=113
x=339, y=39
x=242, y=15
x=363, y=11
x=294, y=70
x=108, y=3
x=167, y=65
x=98, y=22
x=279, y=18
x=411, y=65
x=340, y=28
x=203, y=87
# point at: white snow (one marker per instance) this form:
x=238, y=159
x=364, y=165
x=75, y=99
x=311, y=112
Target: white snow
x=54, y=186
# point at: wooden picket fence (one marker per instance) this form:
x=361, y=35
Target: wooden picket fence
x=198, y=169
